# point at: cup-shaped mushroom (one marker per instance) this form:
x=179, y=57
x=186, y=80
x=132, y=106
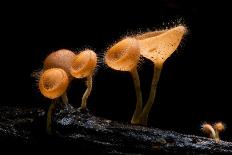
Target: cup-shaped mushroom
x=124, y=55
x=159, y=47
x=83, y=64
x=60, y=59
x=53, y=83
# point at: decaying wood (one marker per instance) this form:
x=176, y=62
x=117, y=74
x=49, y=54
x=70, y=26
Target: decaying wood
x=94, y=135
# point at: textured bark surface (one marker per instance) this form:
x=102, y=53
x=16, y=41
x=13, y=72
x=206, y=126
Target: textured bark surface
x=97, y=135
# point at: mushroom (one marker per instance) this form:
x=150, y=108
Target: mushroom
x=157, y=47
x=213, y=131
x=83, y=66
x=208, y=129
x=218, y=127
x=53, y=84
x=124, y=56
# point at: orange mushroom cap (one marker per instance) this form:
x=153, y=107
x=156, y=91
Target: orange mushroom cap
x=83, y=64
x=159, y=47
x=124, y=55
x=53, y=83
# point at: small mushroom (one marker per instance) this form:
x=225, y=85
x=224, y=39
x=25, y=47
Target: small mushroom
x=124, y=56
x=213, y=131
x=83, y=66
x=157, y=47
x=218, y=127
x=53, y=84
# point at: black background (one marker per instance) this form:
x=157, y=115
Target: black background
x=195, y=82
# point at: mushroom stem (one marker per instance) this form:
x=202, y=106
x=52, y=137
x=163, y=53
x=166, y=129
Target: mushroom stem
x=49, y=117
x=64, y=98
x=87, y=92
x=217, y=137
x=156, y=75
x=139, y=104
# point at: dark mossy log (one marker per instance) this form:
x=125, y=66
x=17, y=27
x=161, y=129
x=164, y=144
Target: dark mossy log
x=16, y=124
x=91, y=134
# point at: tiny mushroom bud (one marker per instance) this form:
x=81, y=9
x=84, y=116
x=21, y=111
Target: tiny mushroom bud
x=83, y=66
x=124, y=56
x=213, y=131
x=53, y=84
x=157, y=47
x=219, y=126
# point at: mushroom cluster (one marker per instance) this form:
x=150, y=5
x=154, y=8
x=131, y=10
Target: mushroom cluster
x=62, y=66
x=157, y=47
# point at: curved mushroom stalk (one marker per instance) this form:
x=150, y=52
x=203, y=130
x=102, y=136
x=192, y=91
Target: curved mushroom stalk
x=157, y=47
x=83, y=66
x=89, y=83
x=124, y=56
x=53, y=84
